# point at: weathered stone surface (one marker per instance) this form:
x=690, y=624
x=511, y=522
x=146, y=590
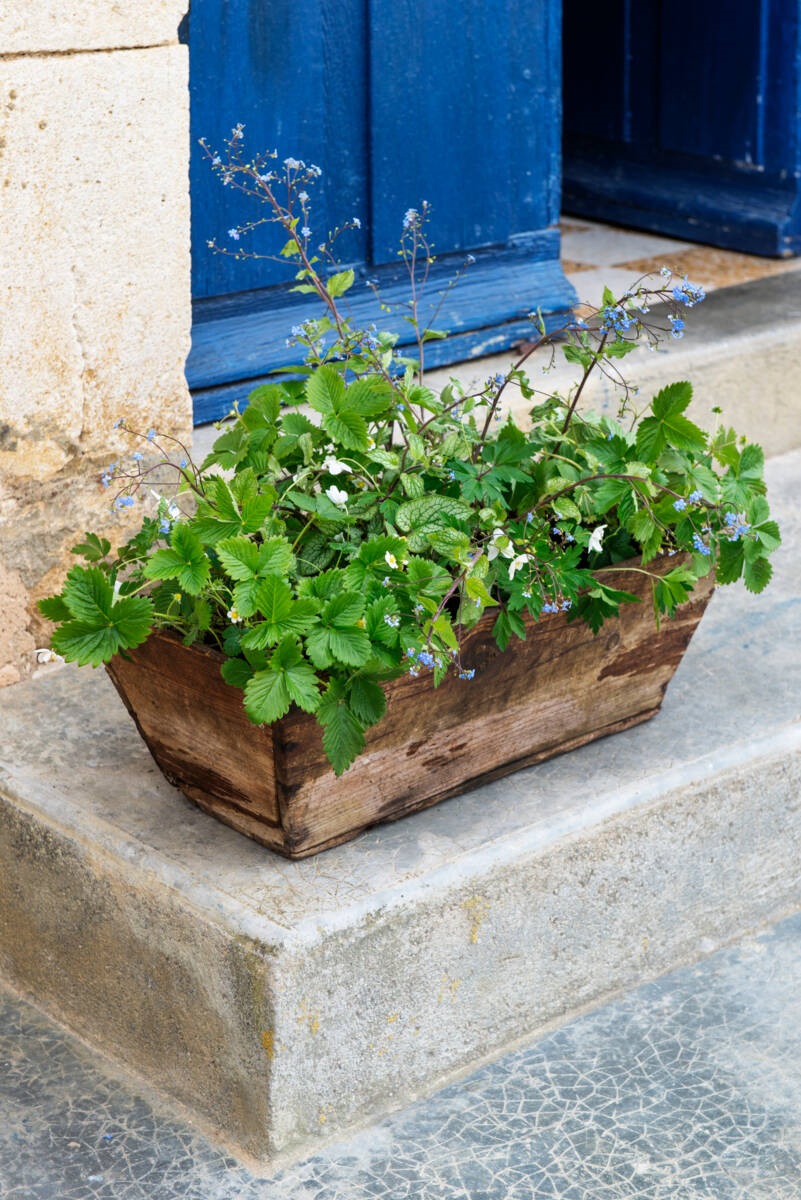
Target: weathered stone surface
x=286, y=1000
x=94, y=286
x=16, y=641
x=34, y=26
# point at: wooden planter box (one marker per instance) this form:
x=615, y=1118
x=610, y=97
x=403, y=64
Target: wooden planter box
x=560, y=688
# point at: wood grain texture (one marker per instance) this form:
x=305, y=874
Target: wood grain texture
x=560, y=688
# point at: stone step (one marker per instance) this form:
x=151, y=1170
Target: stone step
x=684, y=1089
x=283, y=1001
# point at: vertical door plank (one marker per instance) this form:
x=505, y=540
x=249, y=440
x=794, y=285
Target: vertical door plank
x=461, y=96
x=291, y=71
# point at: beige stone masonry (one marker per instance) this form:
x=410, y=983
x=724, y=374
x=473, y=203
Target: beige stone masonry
x=36, y=26
x=95, y=308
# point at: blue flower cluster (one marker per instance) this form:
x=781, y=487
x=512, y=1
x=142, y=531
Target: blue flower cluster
x=467, y=674
x=699, y=544
x=616, y=319
x=737, y=524
x=688, y=293
x=676, y=326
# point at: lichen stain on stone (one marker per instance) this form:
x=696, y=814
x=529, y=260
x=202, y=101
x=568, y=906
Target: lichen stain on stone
x=325, y=1112
x=308, y=1017
x=448, y=988
x=268, y=1043
x=477, y=908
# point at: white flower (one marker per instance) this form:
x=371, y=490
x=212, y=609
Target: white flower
x=496, y=548
x=336, y=495
x=517, y=563
x=233, y=616
x=334, y=467
x=596, y=538
x=391, y=560
x=48, y=656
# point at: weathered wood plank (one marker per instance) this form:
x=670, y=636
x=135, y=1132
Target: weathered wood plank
x=557, y=690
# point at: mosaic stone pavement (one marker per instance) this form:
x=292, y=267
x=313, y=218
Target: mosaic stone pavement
x=686, y=1089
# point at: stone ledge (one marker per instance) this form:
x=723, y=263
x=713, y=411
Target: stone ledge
x=282, y=1001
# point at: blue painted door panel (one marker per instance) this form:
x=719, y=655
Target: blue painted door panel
x=464, y=113
x=686, y=121
x=453, y=101
x=294, y=74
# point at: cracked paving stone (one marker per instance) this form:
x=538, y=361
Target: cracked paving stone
x=685, y=1089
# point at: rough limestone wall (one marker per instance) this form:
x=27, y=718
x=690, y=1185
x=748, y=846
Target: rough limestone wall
x=94, y=274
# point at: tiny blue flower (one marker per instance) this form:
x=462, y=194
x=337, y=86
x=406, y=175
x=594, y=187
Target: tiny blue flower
x=695, y=496
x=234, y=234
x=305, y=232
x=392, y=620
x=137, y=456
x=165, y=526
x=150, y=435
x=698, y=542
x=467, y=674
x=680, y=505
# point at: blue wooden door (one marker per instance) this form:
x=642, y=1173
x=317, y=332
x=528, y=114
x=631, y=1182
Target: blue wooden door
x=397, y=101
x=686, y=120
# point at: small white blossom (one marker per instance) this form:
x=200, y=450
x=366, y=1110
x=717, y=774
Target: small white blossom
x=233, y=616
x=334, y=467
x=596, y=538
x=516, y=563
x=48, y=656
x=391, y=560
x=336, y=495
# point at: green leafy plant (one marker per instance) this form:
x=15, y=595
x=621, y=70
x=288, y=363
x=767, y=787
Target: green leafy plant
x=351, y=524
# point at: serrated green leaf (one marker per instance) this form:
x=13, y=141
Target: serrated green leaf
x=85, y=643
x=325, y=390
x=566, y=509
x=236, y=672
x=477, y=591
x=347, y=428
x=93, y=640
x=93, y=549
x=769, y=535
x=730, y=561
x=430, y=512
x=757, y=574
x=88, y=594
x=239, y=557
x=366, y=700
x=267, y=697
x=343, y=735
x=274, y=599
x=184, y=561
x=350, y=646
x=338, y=284
x=752, y=460
x=54, y=608
x=672, y=400
x=369, y=397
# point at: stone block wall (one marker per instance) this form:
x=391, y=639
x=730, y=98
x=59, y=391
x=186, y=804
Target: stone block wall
x=95, y=308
